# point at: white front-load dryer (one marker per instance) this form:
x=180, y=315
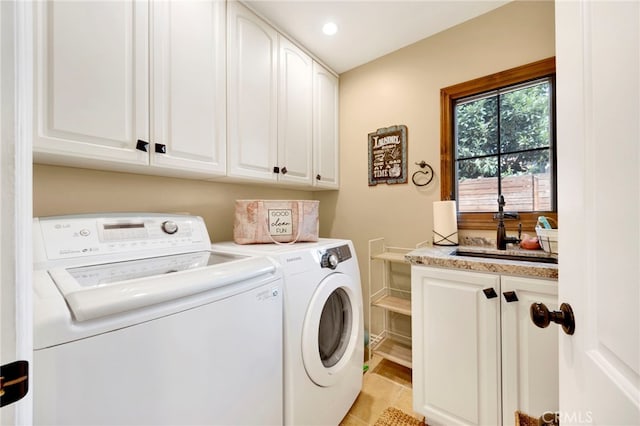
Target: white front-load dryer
x=323, y=327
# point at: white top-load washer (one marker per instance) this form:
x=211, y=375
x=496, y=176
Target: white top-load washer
x=323, y=323
x=138, y=322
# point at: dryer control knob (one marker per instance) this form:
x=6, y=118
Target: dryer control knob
x=170, y=227
x=329, y=260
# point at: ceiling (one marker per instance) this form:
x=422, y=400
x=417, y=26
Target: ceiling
x=367, y=29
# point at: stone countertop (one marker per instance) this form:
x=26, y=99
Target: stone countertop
x=441, y=256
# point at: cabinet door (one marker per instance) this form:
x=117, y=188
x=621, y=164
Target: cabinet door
x=92, y=82
x=529, y=353
x=252, y=68
x=456, y=333
x=325, y=128
x=188, y=86
x=294, y=114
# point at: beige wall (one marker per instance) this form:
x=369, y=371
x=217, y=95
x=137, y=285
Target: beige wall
x=65, y=190
x=400, y=88
x=404, y=88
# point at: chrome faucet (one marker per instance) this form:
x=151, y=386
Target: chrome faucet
x=502, y=240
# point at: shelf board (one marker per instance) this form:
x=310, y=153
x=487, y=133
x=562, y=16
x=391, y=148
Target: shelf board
x=394, y=304
x=391, y=257
x=395, y=351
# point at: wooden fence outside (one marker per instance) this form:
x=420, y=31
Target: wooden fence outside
x=521, y=193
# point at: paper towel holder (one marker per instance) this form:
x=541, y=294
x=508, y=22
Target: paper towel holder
x=428, y=173
x=445, y=226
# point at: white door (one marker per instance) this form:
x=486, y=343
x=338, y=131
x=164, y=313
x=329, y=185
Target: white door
x=598, y=80
x=15, y=206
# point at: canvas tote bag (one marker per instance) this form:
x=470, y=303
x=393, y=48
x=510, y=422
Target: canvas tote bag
x=275, y=221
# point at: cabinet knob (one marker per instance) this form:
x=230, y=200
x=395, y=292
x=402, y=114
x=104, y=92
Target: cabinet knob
x=318, y=177
x=542, y=317
x=276, y=169
x=490, y=293
x=510, y=296
x=284, y=171
x=142, y=145
x=161, y=148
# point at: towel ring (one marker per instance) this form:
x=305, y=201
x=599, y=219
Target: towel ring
x=418, y=174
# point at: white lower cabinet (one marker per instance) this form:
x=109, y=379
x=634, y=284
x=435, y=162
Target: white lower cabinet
x=477, y=357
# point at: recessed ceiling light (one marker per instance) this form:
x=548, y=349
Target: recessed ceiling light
x=330, y=28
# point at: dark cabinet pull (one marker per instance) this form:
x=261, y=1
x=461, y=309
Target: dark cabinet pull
x=142, y=146
x=284, y=171
x=161, y=148
x=276, y=169
x=542, y=317
x=318, y=177
x=490, y=293
x=14, y=382
x=510, y=296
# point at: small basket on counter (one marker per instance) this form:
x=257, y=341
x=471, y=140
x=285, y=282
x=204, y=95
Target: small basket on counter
x=547, y=237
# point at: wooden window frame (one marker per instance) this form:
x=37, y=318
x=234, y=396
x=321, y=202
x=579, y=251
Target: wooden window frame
x=485, y=220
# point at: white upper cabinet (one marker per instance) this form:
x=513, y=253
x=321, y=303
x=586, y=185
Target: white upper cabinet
x=282, y=108
x=325, y=128
x=188, y=99
x=252, y=65
x=181, y=88
x=92, y=76
x=125, y=85
x=295, y=93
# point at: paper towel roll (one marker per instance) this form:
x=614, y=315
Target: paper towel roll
x=445, y=223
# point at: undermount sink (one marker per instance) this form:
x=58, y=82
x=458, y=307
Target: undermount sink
x=507, y=255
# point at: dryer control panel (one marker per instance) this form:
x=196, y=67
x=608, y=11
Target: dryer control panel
x=332, y=257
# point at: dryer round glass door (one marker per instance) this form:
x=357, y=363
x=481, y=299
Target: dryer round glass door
x=331, y=331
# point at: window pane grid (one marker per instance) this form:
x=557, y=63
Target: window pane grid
x=503, y=146
x=504, y=153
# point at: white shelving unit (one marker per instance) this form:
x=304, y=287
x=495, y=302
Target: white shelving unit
x=389, y=302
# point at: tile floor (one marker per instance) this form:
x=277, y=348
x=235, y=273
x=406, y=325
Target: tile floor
x=385, y=384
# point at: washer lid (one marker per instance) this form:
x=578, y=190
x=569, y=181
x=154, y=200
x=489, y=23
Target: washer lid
x=113, y=272
x=105, y=289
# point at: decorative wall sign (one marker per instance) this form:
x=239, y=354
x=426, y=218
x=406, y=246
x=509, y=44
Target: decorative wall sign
x=388, y=155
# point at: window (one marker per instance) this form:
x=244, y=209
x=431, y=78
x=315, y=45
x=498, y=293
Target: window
x=497, y=137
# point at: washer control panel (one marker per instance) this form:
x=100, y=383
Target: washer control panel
x=66, y=237
x=332, y=257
